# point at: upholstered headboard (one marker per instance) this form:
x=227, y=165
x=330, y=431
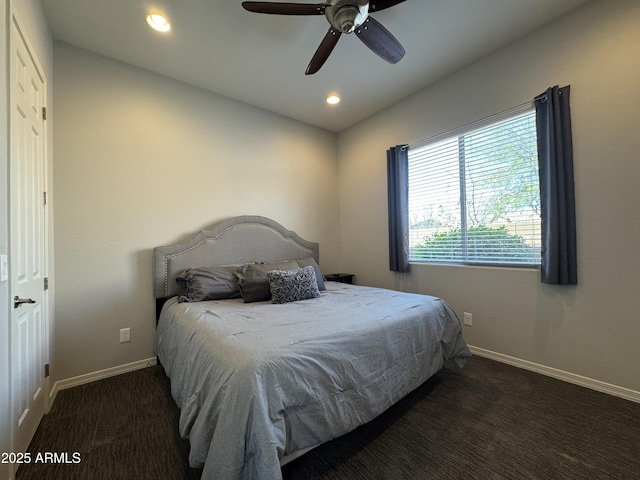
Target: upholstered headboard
x=233, y=241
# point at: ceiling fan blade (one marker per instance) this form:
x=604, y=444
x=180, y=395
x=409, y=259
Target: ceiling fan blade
x=324, y=50
x=380, y=40
x=377, y=5
x=280, y=8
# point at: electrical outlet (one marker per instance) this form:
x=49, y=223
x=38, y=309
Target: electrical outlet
x=468, y=319
x=125, y=335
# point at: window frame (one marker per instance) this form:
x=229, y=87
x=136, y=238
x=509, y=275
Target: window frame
x=456, y=135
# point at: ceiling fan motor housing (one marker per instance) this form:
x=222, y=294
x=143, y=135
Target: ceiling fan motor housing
x=346, y=15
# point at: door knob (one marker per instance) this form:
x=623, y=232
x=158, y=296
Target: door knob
x=17, y=301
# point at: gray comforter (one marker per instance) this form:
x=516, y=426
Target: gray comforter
x=255, y=382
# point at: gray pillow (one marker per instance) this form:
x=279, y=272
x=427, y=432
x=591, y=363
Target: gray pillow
x=253, y=281
x=310, y=261
x=208, y=283
x=293, y=285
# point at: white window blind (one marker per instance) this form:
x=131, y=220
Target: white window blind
x=474, y=194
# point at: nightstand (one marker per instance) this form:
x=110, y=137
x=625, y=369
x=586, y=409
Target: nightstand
x=340, y=277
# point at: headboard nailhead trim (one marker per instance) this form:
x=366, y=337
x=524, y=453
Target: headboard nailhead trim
x=281, y=231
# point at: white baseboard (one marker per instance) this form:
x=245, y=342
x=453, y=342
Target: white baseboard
x=597, y=385
x=99, y=375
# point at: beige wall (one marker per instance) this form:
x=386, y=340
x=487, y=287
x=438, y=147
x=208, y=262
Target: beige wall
x=592, y=329
x=142, y=160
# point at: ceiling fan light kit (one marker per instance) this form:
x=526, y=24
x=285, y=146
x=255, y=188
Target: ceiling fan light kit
x=344, y=16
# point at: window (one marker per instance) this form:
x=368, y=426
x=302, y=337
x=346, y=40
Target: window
x=474, y=194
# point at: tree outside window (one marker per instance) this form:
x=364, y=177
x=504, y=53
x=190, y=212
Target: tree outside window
x=474, y=195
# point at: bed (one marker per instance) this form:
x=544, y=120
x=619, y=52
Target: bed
x=259, y=381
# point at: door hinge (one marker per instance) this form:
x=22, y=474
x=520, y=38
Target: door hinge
x=46, y=283
x=44, y=198
x=46, y=370
x=44, y=113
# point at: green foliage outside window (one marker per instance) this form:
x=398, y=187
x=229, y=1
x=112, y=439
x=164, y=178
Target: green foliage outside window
x=483, y=244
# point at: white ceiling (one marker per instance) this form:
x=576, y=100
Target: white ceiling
x=261, y=59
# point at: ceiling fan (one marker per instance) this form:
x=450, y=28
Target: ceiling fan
x=345, y=16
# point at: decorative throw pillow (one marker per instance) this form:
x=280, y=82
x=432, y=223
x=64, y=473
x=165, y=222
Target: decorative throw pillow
x=310, y=261
x=253, y=281
x=292, y=285
x=208, y=283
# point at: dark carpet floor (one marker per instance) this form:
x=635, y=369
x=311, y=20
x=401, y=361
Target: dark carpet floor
x=486, y=421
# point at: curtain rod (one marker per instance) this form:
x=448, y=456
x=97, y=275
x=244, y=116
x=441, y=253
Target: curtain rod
x=481, y=120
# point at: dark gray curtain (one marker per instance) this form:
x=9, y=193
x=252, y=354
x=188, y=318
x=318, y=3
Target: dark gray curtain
x=557, y=199
x=398, y=197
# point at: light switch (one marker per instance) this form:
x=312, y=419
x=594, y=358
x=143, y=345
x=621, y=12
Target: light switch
x=4, y=268
x=125, y=335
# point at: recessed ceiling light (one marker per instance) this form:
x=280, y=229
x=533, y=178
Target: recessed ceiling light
x=158, y=22
x=333, y=99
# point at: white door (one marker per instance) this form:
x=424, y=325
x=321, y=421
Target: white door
x=27, y=241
